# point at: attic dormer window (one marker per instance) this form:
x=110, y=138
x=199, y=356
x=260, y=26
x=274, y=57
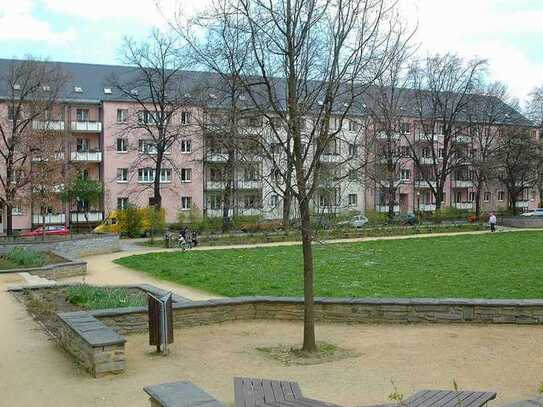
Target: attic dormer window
x=46, y=88
x=107, y=91
x=320, y=103
x=78, y=89
x=134, y=92
x=212, y=96
x=242, y=97
x=16, y=87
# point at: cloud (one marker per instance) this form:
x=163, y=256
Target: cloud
x=18, y=23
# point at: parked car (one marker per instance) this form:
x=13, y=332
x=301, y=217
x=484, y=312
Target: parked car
x=356, y=222
x=405, y=219
x=51, y=230
x=535, y=213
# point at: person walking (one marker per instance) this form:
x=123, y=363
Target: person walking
x=492, y=221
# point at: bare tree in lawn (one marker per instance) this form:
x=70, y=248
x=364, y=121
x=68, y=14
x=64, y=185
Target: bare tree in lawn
x=313, y=60
x=154, y=83
x=485, y=113
x=534, y=110
x=517, y=157
x=443, y=87
x=29, y=90
x=387, y=105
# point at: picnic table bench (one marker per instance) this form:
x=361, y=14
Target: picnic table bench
x=180, y=394
x=445, y=398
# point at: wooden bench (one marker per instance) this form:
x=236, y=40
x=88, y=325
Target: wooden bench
x=250, y=392
x=445, y=398
x=180, y=394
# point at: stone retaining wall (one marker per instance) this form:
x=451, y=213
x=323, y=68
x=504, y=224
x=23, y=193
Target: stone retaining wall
x=334, y=310
x=73, y=247
x=524, y=222
x=54, y=271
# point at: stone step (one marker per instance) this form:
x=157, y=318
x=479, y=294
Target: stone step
x=31, y=279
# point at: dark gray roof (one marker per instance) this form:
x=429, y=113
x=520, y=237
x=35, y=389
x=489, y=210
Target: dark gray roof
x=94, y=78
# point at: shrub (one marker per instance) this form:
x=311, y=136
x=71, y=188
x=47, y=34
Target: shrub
x=104, y=297
x=26, y=257
x=131, y=221
x=376, y=218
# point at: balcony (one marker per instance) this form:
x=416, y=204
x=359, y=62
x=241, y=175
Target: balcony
x=384, y=208
x=427, y=207
x=217, y=157
x=425, y=184
x=90, y=156
x=462, y=184
x=463, y=139
x=50, y=218
x=384, y=136
x=522, y=204
x=426, y=160
x=88, y=126
x=48, y=125
x=55, y=188
x=217, y=213
x=249, y=185
x=331, y=158
x=90, y=217
x=56, y=157
x=463, y=205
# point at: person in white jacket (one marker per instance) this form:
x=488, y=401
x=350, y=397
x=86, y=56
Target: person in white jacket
x=492, y=221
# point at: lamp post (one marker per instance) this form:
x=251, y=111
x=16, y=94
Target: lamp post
x=418, y=202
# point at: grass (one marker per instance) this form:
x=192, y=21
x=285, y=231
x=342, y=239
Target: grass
x=19, y=257
x=91, y=298
x=501, y=265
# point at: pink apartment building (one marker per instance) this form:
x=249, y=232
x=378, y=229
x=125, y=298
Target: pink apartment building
x=93, y=120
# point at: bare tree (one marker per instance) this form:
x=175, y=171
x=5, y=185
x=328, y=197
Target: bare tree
x=517, y=159
x=31, y=89
x=153, y=82
x=443, y=87
x=534, y=108
x=313, y=60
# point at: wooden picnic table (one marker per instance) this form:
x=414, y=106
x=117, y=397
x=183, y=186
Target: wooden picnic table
x=445, y=398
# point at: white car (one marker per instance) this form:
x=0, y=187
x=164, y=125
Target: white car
x=536, y=213
x=356, y=222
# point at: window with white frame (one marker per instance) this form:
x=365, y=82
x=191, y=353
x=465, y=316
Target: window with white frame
x=122, y=145
x=353, y=199
x=186, y=174
x=426, y=152
x=441, y=153
x=214, y=201
x=186, y=202
x=166, y=175
x=147, y=117
x=146, y=175
x=352, y=175
x=82, y=115
x=122, y=175
x=501, y=196
x=122, y=203
x=353, y=150
x=274, y=200
x=458, y=196
x=332, y=147
x=439, y=129
x=471, y=196
x=122, y=115
x=353, y=125
x=16, y=211
x=186, y=145
x=486, y=196
x=405, y=174
x=185, y=118
x=405, y=128
x=82, y=145
x=276, y=148
x=147, y=147
x=251, y=201
x=250, y=173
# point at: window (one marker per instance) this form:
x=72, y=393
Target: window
x=426, y=152
x=276, y=176
x=405, y=128
x=146, y=175
x=458, y=196
x=332, y=147
x=405, y=175
x=439, y=129
x=78, y=89
x=11, y=113
x=122, y=203
x=122, y=115
x=250, y=173
x=251, y=201
x=147, y=146
x=166, y=175
x=352, y=175
x=84, y=174
x=254, y=121
x=276, y=148
x=186, y=175
x=501, y=196
x=186, y=202
x=122, y=174
x=186, y=146
x=82, y=115
x=274, y=200
x=16, y=211
x=82, y=145
x=471, y=197
x=441, y=153
x=215, y=174
x=353, y=125
x=122, y=145
x=107, y=91
x=147, y=117
x=46, y=88
x=185, y=117
x=214, y=201
x=486, y=196
x=404, y=151
x=353, y=150
x=353, y=199
x=473, y=153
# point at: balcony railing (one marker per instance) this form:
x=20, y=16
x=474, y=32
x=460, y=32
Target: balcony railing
x=50, y=218
x=331, y=158
x=462, y=184
x=427, y=207
x=56, y=157
x=217, y=157
x=53, y=125
x=79, y=217
x=522, y=204
x=55, y=188
x=93, y=156
x=215, y=213
x=94, y=127
x=425, y=184
x=463, y=205
x=384, y=208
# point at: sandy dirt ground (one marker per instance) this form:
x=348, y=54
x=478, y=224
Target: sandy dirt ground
x=508, y=359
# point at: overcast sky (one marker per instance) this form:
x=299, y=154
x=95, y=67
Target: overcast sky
x=509, y=33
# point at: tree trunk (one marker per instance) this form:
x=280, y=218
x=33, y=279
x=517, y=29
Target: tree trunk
x=287, y=202
x=9, y=220
x=391, y=199
x=229, y=177
x=309, y=344
x=513, y=203
x=439, y=197
x=478, y=202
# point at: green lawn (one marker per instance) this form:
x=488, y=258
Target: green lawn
x=501, y=265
